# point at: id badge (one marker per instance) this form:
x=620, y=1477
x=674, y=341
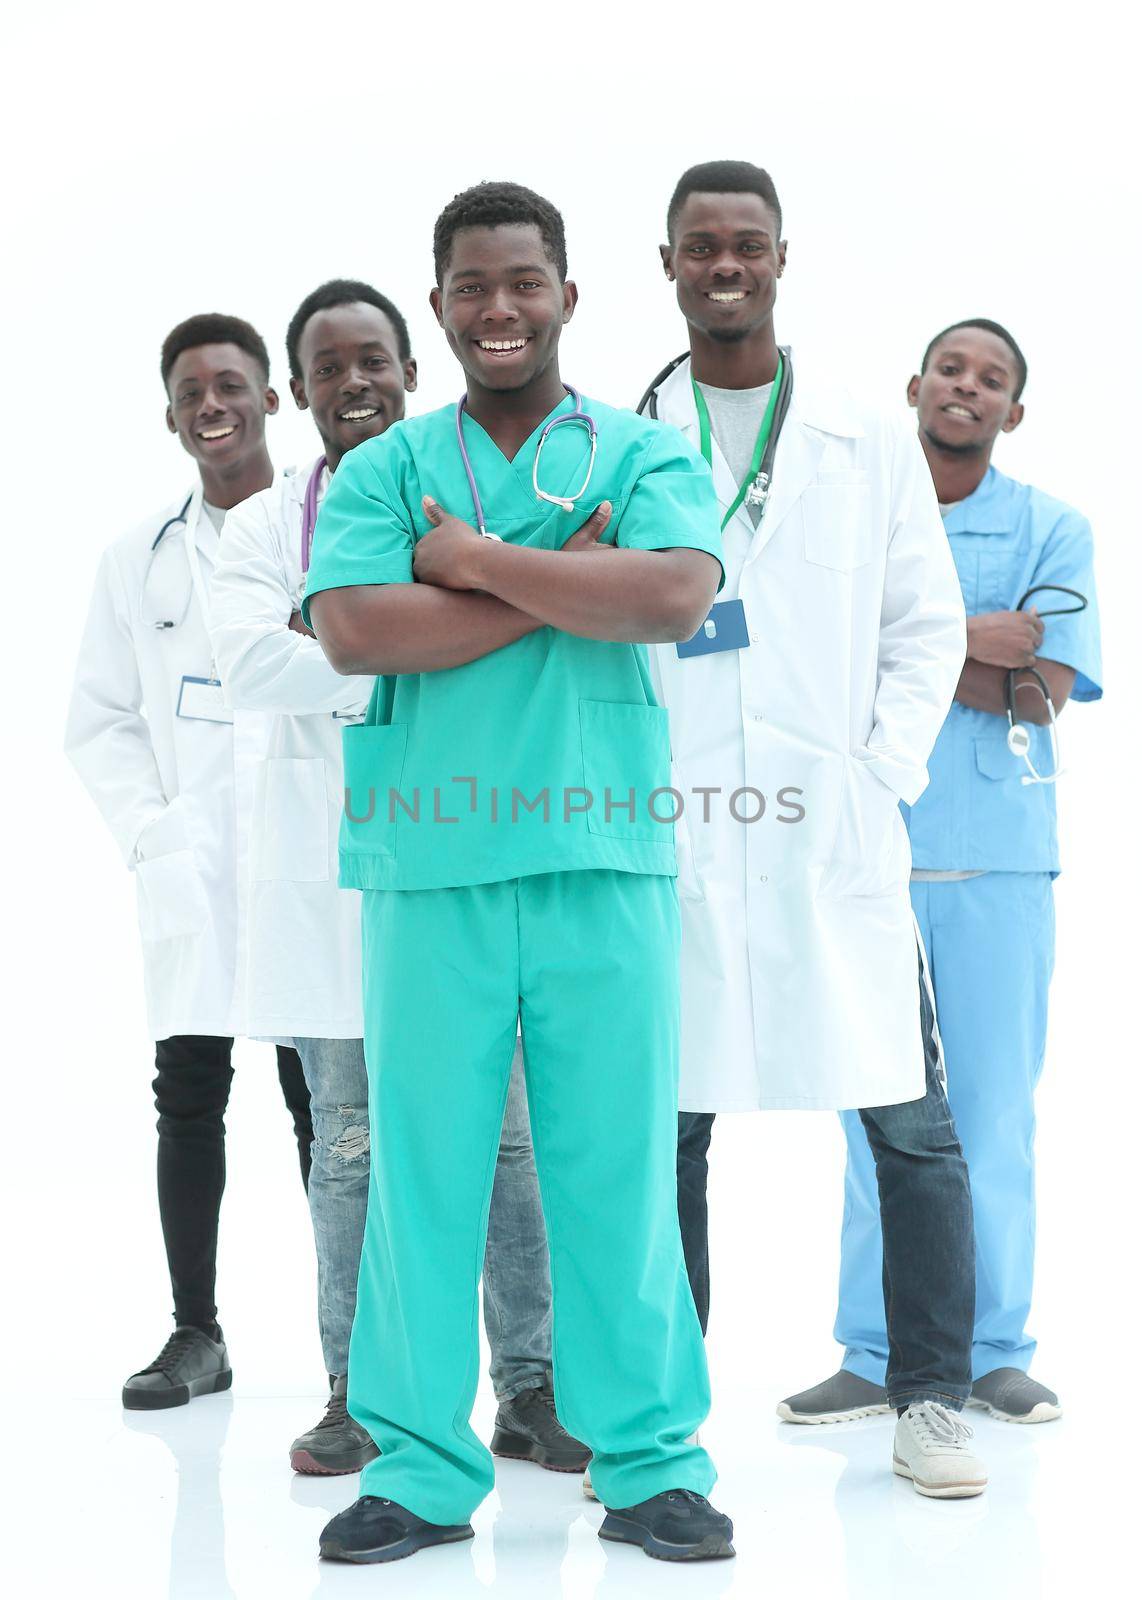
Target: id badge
x=202, y=700
x=723, y=629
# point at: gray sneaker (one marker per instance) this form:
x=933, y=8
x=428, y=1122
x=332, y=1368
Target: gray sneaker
x=337, y=1444
x=842, y=1398
x=527, y=1429
x=1012, y=1396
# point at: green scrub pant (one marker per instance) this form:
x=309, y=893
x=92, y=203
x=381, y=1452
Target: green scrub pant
x=588, y=961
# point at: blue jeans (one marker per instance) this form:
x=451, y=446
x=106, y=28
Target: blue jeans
x=925, y=1214
x=517, y=1275
x=517, y=1272
x=338, y=1183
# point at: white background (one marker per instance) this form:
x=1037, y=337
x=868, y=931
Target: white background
x=934, y=162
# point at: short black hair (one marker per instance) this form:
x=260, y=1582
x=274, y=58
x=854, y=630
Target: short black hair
x=722, y=177
x=499, y=205
x=213, y=327
x=342, y=292
x=988, y=326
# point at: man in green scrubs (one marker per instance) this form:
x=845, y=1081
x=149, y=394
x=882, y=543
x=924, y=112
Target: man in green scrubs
x=503, y=806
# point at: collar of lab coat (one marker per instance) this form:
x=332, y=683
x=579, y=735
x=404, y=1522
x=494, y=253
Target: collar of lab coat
x=986, y=509
x=816, y=413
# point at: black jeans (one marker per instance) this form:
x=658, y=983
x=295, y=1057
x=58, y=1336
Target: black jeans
x=192, y=1088
x=926, y=1223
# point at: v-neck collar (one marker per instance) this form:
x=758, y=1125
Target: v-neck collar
x=507, y=489
x=527, y=448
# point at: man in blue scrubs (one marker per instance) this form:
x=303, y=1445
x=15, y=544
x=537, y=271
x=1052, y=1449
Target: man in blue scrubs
x=984, y=853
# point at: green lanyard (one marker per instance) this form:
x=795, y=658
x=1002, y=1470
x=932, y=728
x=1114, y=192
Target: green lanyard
x=750, y=481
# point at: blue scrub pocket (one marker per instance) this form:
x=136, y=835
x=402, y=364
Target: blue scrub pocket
x=374, y=765
x=626, y=758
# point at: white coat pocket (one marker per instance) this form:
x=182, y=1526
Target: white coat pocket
x=838, y=531
x=870, y=854
x=291, y=821
x=171, y=897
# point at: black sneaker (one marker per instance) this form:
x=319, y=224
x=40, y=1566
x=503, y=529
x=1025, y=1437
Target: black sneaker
x=527, y=1429
x=189, y=1364
x=380, y=1530
x=337, y=1444
x=677, y=1526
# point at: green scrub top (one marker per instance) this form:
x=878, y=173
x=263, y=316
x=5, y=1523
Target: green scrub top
x=551, y=754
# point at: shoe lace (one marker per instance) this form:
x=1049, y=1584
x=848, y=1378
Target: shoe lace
x=172, y=1352
x=336, y=1412
x=942, y=1425
x=690, y=1497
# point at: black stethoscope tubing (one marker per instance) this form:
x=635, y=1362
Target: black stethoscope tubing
x=1011, y=683
x=179, y=516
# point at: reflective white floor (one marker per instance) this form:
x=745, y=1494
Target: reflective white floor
x=199, y=1504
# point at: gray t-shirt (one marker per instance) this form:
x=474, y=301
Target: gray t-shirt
x=735, y=417
x=216, y=514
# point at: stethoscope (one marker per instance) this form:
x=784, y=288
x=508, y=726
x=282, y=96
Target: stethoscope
x=1018, y=734
x=183, y=516
x=309, y=512
x=567, y=502
x=761, y=488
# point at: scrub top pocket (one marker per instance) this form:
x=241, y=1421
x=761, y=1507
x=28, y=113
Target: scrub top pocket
x=374, y=766
x=626, y=752
x=292, y=830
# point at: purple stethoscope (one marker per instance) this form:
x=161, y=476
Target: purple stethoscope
x=309, y=512
x=578, y=415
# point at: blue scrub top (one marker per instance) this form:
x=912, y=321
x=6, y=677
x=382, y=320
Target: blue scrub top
x=975, y=813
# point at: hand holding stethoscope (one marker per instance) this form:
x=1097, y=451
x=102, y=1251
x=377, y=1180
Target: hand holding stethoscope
x=1018, y=734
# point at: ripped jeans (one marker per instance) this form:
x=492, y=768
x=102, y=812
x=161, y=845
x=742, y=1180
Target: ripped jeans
x=517, y=1273
x=338, y=1183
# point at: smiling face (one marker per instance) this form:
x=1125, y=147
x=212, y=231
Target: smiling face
x=502, y=306
x=352, y=376
x=218, y=404
x=966, y=397
x=725, y=258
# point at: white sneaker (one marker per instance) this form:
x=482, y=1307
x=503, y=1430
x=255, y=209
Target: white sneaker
x=931, y=1448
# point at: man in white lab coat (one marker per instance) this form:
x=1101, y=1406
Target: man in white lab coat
x=351, y=366
x=170, y=767
x=801, y=714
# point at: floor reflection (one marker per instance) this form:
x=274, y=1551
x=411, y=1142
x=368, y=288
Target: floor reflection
x=899, y=1543
x=195, y=1436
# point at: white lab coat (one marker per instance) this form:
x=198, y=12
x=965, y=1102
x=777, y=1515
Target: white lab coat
x=175, y=793
x=799, y=960
x=304, y=942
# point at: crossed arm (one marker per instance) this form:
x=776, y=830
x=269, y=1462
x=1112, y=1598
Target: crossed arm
x=473, y=596
x=997, y=642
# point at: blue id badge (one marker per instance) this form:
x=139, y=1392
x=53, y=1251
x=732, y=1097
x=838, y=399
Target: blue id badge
x=723, y=629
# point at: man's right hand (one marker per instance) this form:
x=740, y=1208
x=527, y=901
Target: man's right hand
x=587, y=537
x=1005, y=638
